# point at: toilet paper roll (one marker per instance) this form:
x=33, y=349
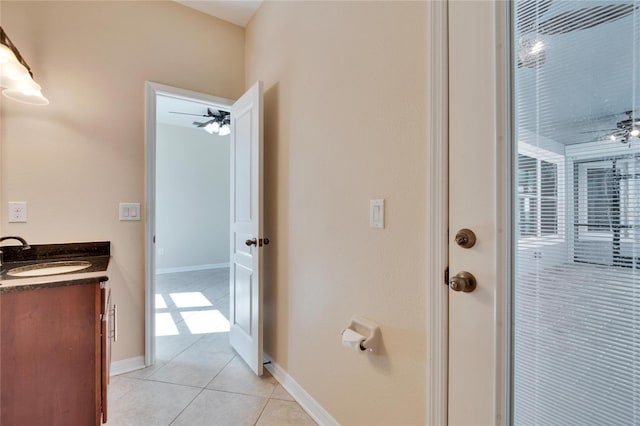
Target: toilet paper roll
x=352, y=340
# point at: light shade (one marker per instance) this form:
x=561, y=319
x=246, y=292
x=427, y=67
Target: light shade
x=225, y=130
x=26, y=91
x=12, y=73
x=6, y=55
x=15, y=75
x=32, y=98
x=212, y=127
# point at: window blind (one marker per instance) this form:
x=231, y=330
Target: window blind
x=576, y=281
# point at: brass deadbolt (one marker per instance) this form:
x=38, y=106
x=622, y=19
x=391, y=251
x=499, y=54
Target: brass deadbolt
x=465, y=238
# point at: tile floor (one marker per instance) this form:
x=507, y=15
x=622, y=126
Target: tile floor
x=198, y=378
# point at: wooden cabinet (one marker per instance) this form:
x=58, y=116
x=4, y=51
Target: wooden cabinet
x=54, y=355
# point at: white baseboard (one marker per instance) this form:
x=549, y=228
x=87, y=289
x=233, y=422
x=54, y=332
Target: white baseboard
x=310, y=405
x=191, y=268
x=127, y=365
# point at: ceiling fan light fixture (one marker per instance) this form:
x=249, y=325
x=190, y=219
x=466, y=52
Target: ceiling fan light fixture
x=212, y=127
x=635, y=133
x=531, y=52
x=613, y=138
x=225, y=130
x=537, y=47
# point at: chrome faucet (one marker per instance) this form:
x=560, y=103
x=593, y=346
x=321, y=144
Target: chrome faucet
x=25, y=244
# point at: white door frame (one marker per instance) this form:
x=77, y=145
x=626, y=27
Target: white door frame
x=151, y=91
x=438, y=210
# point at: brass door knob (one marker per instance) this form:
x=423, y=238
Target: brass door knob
x=463, y=281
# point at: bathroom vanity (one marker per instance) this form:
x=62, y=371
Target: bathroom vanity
x=55, y=333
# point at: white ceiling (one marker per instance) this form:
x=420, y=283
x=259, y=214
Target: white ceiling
x=238, y=12
x=167, y=107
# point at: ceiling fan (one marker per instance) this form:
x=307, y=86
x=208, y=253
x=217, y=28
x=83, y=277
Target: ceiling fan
x=531, y=53
x=624, y=130
x=219, y=122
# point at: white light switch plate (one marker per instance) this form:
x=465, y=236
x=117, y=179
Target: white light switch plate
x=129, y=211
x=17, y=211
x=376, y=213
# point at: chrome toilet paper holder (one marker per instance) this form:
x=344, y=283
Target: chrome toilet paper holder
x=369, y=329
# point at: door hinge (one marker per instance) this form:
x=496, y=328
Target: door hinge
x=446, y=276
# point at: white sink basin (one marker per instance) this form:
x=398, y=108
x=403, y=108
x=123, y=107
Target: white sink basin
x=49, y=268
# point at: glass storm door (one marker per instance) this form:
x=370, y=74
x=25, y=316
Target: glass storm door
x=551, y=334
x=576, y=288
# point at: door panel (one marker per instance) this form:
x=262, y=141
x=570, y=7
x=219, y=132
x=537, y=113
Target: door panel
x=472, y=198
x=242, y=291
x=246, y=228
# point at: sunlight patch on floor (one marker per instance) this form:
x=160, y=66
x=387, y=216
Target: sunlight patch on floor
x=160, y=303
x=165, y=326
x=209, y=321
x=190, y=299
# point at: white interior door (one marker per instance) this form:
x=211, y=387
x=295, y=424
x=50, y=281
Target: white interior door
x=247, y=241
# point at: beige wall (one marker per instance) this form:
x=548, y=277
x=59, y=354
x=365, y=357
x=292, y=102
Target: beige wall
x=345, y=109
x=345, y=114
x=74, y=160
x=192, y=174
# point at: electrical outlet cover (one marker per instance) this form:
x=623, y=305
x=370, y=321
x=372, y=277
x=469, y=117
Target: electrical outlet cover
x=17, y=211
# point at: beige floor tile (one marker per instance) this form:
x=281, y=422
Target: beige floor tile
x=283, y=413
x=168, y=347
x=280, y=393
x=214, y=342
x=193, y=368
x=221, y=408
x=156, y=396
x=237, y=377
x=151, y=404
x=144, y=373
x=120, y=385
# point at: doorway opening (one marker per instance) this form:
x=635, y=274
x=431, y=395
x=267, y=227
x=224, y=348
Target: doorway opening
x=187, y=239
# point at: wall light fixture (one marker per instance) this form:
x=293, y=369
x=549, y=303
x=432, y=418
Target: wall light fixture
x=16, y=78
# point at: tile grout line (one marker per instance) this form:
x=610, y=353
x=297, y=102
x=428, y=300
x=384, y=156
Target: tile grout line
x=268, y=400
x=221, y=370
x=185, y=407
x=262, y=411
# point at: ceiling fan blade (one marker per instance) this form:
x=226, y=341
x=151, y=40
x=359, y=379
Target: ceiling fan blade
x=599, y=131
x=584, y=18
x=186, y=113
x=195, y=123
x=529, y=11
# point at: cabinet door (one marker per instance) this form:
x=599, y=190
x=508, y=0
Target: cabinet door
x=48, y=359
x=105, y=352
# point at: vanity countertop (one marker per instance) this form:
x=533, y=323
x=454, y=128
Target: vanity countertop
x=96, y=253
